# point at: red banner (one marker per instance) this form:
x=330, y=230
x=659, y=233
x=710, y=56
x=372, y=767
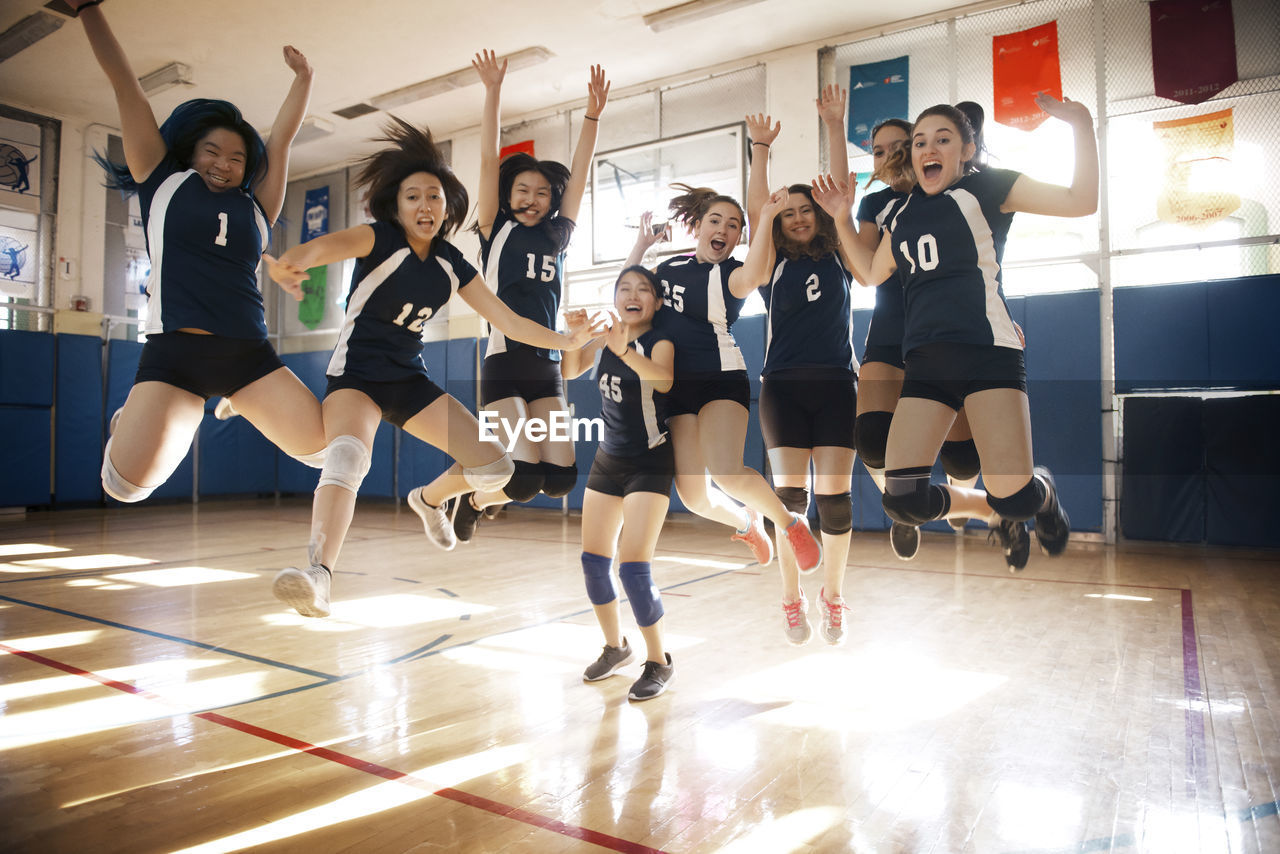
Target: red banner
x=522, y=147
x=1024, y=65
x=1193, y=48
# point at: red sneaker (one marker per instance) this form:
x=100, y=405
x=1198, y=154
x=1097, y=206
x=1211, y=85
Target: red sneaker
x=803, y=545
x=756, y=539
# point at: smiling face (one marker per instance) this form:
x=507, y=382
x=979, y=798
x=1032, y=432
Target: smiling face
x=219, y=158
x=798, y=221
x=530, y=197
x=635, y=299
x=420, y=208
x=718, y=232
x=938, y=153
x=887, y=139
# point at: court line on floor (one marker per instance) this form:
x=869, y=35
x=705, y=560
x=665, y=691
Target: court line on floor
x=1197, y=764
x=603, y=840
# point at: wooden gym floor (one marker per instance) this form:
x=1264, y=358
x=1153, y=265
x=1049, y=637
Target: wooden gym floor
x=155, y=697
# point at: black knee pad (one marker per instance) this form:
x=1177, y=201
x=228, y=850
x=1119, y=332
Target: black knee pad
x=1023, y=504
x=909, y=498
x=558, y=481
x=835, y=513
x=870, y=436
x=525, y=483
x=960, y=459
x=794, y=498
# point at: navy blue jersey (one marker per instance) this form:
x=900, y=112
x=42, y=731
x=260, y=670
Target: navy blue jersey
x=887, y=318
x=393, y=293
x=948, y=249
x=205, y=247
x=526, y=266
x=635, y=416
x=809, y=315
x=701, y=311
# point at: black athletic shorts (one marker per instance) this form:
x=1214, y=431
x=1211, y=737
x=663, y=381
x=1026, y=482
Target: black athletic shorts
x=523, y=374
x=690, y=392
x=399, y=400
x=205, y=365
x=948, y=372
x=808, y=408
x=651, y=471
x=883, y=353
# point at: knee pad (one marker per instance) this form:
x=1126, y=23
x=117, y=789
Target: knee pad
x=525, y=482
x=870, y=436
x=835, y=513
x=1023, y=504
x=909, y=498
x=960, y=459
x=646, y=603
x=794, y=498
x=489, y=477
x=558, y=481
x=315, y=461
x=116, y=486
x=597, y=570
x=346, y=462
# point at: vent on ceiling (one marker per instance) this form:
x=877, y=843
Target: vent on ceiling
x=355, y=111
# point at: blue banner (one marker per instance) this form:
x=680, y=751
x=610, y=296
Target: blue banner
x=315, y=214
x=877, y=91
x=315, y=222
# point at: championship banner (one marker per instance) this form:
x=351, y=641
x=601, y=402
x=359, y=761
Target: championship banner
x=315, y=222
x=1025, y=64
x=877, y=91
x=1193, y=48
x=1198, y=178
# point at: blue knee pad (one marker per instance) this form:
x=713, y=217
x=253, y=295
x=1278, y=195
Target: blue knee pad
x=598, y=572
x=794, y=498
x=871, y=436
x=960, y=459
x=525, y=482
x=909, y=498
x=835, y=513
x=558, y=481
x=646, y=604
x=1023, y=504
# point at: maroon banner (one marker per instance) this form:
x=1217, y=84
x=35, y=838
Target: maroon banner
x=1023, y=65
x=1193, y=48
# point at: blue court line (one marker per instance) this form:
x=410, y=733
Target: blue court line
x=422, y=650
x=448, y=593
x=410, y=580
x=161, y=635
x=1260, y=811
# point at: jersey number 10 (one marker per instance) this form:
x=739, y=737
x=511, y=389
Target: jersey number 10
x=926, y=248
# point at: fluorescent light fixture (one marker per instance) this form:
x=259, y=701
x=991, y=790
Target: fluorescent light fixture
x=687, y=13
x=313, y=128
x=27, y=32
x=455, y=80
x=173, y=74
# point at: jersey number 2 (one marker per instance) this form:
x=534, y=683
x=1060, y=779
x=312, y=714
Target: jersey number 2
x=812, y=291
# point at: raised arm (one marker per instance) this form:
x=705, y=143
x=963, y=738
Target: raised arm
x=270, y=188
x=144, y=148
x=597, y=97
x=646, y=238
x=755, y=270
x=289, y=271
x=869, y=265
x=831, y=106
x=491, y=73
x=657, y=369
x=1081, y=198
x=486, y=304
x=763, y=131
x=574, y=363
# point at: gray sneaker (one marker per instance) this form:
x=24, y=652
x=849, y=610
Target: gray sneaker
x=306, y=591
x=832, y=613
x=653, y=681
x=608, y=663
x=796, y=628
x=434, y=520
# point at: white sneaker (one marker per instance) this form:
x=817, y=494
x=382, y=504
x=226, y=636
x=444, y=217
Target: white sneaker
x=797, y=627
x=306, y=591
x=224, y=410
x=832, y=613
x=434, y=520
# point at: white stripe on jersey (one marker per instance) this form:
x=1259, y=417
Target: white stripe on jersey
x=155, y=240
x=497, y=341
x=364, y=290
x=453, y=277
x=730, y=356
x=773, y=291
x=1003, y=333
x=656, y=437
x=882, y=213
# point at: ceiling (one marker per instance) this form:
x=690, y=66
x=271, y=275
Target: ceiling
x=363, y=49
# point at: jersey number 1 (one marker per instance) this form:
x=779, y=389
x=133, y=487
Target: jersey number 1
x=221, y=239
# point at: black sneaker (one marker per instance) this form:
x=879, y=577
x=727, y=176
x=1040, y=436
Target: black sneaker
x=465, y=517
x=608, y=663
x=1015, y=541
x=653, y=681
x=1052, y=525
x=905, y=540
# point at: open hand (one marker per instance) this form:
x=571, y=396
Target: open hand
x=490, y=70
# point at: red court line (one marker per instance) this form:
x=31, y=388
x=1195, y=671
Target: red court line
x=604, y=840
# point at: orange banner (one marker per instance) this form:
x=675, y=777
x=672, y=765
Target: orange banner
x=1199, y=177
x=523, y=147
x=1024, y=65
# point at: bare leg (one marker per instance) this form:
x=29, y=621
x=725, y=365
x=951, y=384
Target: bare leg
x=450, y=426
x=285, y=411
x=789, y=467
x=833, y=467
x=601, y=524
x=692, y=483
x=347, y=412
x=722, y=433
x=509, y=411
x=155, y=430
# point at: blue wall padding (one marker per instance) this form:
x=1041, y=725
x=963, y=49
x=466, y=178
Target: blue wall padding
x=1162, y=337
x=1242, y=471
x=78, y=419
x=235, y=459
x=1244, y=350
x=26, y=368
x=27, y=452
x=460, y=381
x=379, y=482
x=1163, y=485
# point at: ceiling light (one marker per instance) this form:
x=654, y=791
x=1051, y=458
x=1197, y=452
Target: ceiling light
x=27, y=32
x=455, y=80
x=687, y=13
x=173, y=74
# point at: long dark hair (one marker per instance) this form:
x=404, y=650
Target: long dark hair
x=557, y=175
x=960, y=119
x=693, y=203
x=824, y=241
x=645, y=273
x=183, y=130
x=977, y=118
x=412, y=150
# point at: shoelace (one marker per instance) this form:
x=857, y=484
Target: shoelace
x=793, y=612
x=835, y=612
